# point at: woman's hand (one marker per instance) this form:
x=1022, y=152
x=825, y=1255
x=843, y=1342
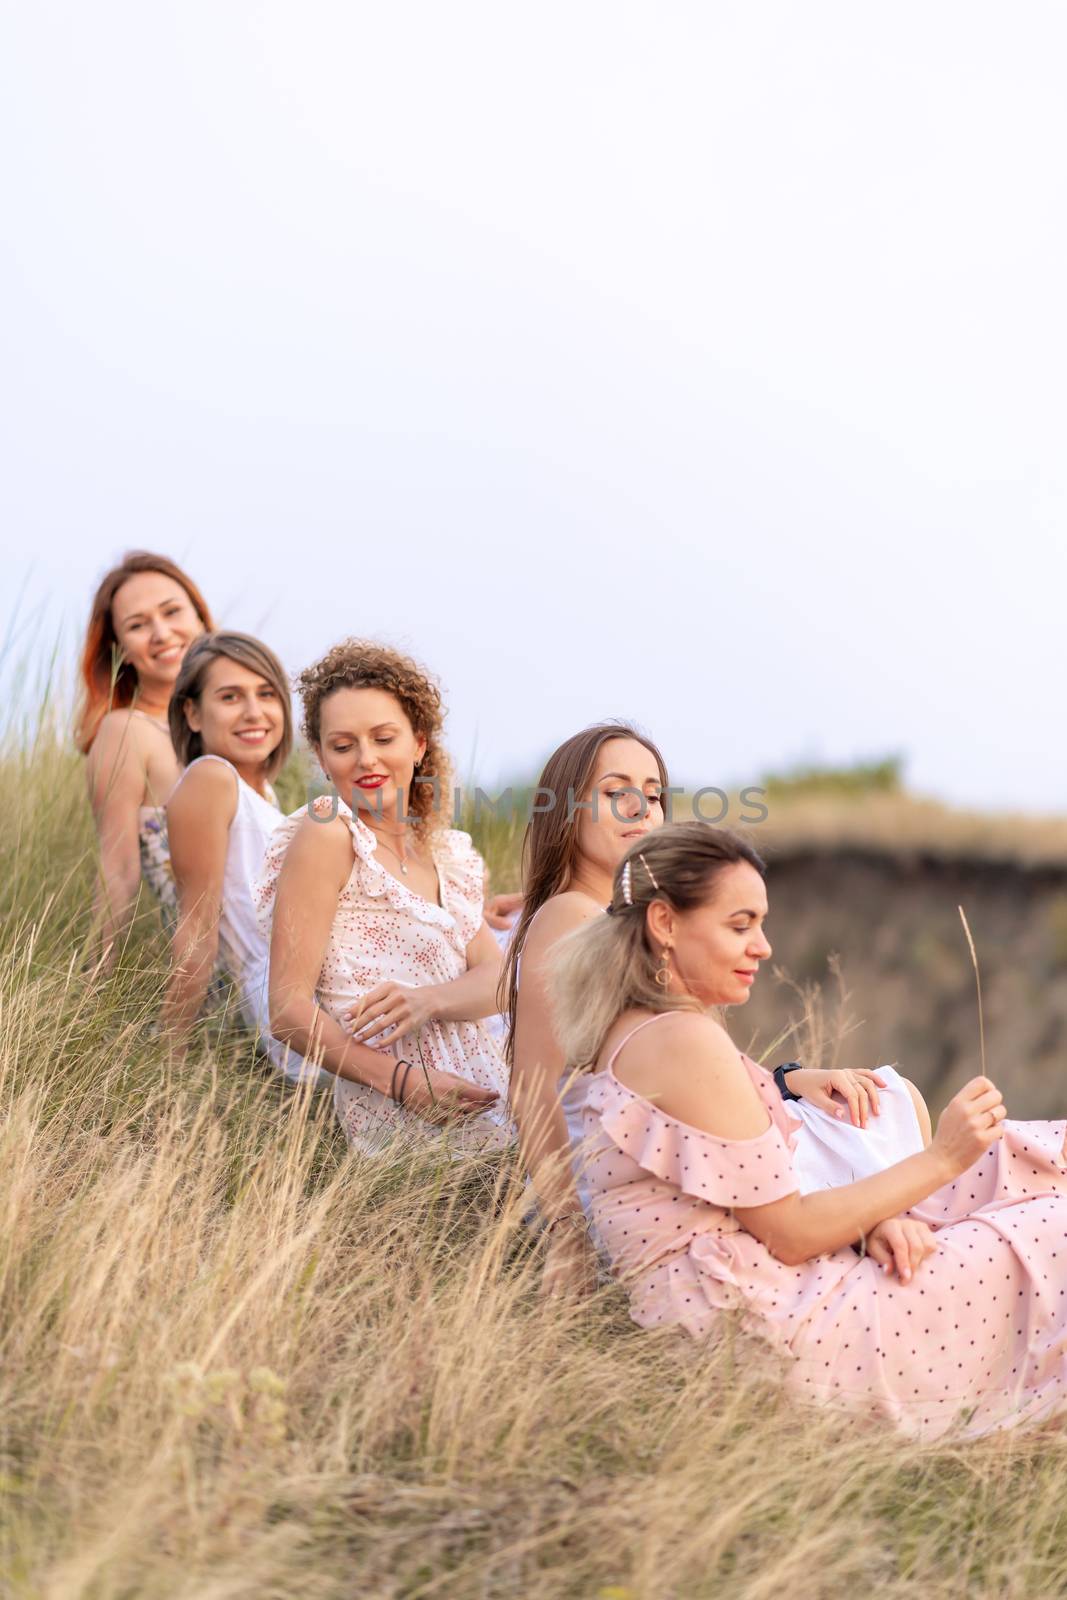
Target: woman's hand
x=501, y=910
x=859, y=1089
x=570, y=1269
x=969, y=1124
x=441, y=1097
x=389, y=1011
x=903, y=1243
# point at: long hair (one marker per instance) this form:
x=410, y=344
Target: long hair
x=363, y=664
x=109, y=683
x=247, y=652
x=608, y=966
x=550, y=843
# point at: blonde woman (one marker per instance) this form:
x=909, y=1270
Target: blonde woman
x=380, y=961
x=944, y=1317
x=608, y=781
x=145, y=614
x=231, y=726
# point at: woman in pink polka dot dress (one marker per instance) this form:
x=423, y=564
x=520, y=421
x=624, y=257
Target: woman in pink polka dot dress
x=932, y=1293
x=380, y=960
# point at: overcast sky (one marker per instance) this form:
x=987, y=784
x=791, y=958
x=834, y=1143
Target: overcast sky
x=701, y=363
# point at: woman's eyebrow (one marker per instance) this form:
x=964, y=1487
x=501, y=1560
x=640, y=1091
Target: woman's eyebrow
x=626, y=778
x=746, y=913
x=140, y=616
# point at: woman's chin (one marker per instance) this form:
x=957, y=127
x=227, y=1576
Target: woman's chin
x=740, y=995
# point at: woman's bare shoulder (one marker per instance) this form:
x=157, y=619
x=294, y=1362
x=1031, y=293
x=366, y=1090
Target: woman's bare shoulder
x=562, y=913
x=319, y=843
x=204, y=786
x=683, y=1048
x=122, y=730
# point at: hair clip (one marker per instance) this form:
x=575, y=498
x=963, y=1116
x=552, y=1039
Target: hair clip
x=624, y=884
x=648, y=869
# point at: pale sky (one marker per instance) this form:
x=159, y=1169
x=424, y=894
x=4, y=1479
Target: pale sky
x=701, y=363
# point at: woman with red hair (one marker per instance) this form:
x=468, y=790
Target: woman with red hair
x=145, y=614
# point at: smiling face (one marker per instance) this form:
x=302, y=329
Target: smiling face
x=716, y=948
x=369, y=750
x=238, y=714
x=620, y=817
x=154, y=622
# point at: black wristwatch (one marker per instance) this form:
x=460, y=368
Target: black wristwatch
x=779, y=1078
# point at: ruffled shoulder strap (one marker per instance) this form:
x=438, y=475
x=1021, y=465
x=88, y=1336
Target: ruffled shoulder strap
x=459, y=868
x=724, y=1172
x=462, y=874
x=265, y=884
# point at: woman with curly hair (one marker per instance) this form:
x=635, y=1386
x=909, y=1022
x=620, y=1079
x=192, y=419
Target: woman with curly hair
x=381, y=965
x=145, y=614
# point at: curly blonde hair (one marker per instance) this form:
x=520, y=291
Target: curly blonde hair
x=363, y=664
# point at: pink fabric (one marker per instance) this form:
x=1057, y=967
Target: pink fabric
x=977, y=1340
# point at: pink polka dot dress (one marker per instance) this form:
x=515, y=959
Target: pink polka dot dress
x=382, y=932
x=977, y=1341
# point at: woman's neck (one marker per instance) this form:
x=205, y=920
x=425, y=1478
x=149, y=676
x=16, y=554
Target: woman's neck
x=153, y=702
x=392, y=826
x=593, y=880
x=254, y=775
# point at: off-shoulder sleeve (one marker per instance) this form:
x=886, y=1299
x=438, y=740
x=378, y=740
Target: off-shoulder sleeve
x=462, y=873
x=724, y=1172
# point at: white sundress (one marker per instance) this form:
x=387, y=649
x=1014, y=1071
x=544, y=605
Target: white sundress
x=385, y=932
x=243, y=949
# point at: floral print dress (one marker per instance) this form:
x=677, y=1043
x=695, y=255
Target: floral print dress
x=384, y=932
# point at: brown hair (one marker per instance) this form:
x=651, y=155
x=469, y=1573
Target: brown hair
x=247, y=652
x=109, y=683
x=550, y=843
x=362, y=664
x=608, y=966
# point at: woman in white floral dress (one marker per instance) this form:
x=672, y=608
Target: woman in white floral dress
x=381, y=964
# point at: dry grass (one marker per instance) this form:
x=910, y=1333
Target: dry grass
x=236, y=1362
x=906, y=825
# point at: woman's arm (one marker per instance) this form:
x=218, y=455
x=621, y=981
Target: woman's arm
x=501, y=909
x=315, y=870
x=115, y=769
x=199, y=815
x=390, y=1010
x=472, y=995
x=697, y=1076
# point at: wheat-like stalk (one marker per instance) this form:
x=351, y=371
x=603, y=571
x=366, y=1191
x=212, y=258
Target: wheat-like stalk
x=978, y=986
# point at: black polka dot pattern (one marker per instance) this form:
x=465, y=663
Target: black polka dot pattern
x=976, y=1342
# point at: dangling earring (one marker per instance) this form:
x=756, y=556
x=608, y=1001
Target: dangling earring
x=663, y=971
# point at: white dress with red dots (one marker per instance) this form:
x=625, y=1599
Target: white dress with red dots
x=977, y=1341
x=385, y=932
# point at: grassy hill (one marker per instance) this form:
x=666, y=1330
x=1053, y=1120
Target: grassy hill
x=238, y=1363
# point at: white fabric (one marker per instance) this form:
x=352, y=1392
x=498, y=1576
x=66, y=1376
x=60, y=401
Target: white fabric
x=242, y=946
x=384, y=932
x=830, y=1152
